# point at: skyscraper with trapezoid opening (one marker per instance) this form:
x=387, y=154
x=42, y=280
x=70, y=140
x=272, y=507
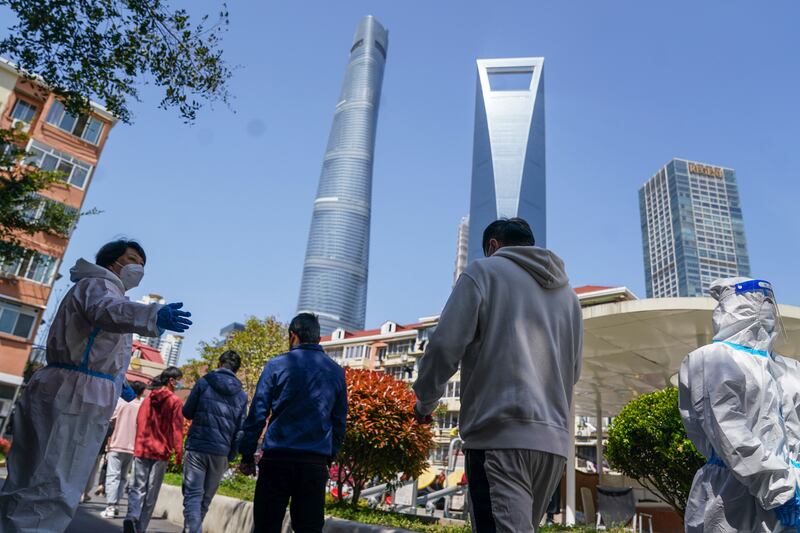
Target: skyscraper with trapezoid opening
x=334, y=284
x=508, y=167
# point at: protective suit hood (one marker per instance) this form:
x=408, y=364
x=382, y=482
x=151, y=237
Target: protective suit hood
x=84, y=269
x=747, y=319
x=543, y=265
x=224, y=382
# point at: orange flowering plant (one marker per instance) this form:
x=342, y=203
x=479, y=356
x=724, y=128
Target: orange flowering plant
x=383, y=437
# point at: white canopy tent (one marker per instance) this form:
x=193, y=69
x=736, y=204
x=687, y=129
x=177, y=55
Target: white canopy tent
x=636, y=346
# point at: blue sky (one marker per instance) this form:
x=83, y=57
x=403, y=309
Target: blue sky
x=223, y=207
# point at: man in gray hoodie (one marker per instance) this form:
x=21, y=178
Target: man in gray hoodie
x=513, y=324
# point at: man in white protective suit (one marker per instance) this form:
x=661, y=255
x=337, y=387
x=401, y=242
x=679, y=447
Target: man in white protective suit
x=731, y=405
x=788, y=376
x=63, y=414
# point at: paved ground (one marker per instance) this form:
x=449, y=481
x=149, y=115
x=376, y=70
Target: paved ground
x=88, y=519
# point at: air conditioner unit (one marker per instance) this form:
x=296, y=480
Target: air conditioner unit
x=25, y=126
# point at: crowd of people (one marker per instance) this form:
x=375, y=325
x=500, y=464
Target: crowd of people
x=513, y=310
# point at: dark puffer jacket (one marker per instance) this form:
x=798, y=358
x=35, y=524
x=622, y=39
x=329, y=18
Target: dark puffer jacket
x=217, y=407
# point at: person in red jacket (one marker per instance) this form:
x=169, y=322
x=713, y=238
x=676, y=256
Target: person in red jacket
x=159, y=433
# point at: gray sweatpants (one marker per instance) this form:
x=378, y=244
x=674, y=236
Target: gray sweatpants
x=119, y=463
x=509, y=489
x=148, y=475
x=202, y=473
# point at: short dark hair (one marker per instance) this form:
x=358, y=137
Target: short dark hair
x=113, y=250
x=509, y=231
x=306, y=327
x=138, y=387
x=172, y=372
x=230, y=360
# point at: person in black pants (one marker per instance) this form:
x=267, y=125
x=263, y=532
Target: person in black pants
x=303, y=393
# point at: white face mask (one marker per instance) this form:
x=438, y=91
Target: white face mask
x=131, y=275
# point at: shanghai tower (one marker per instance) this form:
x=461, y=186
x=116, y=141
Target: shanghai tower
x=334, y=285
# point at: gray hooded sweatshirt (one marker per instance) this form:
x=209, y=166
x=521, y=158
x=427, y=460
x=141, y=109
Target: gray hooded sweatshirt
x=514, y=325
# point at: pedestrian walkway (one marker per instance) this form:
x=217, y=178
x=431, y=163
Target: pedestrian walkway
x=88, y=519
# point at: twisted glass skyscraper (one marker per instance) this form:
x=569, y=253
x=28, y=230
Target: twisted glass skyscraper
x=334, y=284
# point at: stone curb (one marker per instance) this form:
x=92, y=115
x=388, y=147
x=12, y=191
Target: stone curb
x=229, y=515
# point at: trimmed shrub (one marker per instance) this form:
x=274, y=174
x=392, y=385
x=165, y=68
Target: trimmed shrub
x=647, y=442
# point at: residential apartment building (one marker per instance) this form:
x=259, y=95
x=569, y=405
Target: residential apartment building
x=692, y=229
x=58, y=141
x=395, y=349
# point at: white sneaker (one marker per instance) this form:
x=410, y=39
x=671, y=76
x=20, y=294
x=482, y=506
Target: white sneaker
x=109, y=512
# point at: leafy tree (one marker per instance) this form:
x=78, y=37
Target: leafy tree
x=105, y=49
x=383, y=436
x=647, y=442
x=257, y=343
x=102, y=50
x=19, y=201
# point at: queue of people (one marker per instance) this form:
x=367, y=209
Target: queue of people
x=513, y=428
x=513, y=309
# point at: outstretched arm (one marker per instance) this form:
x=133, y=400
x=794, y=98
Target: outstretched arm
x=107, y=308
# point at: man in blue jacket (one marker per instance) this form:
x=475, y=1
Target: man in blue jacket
x=303, y=393
x=217, y=407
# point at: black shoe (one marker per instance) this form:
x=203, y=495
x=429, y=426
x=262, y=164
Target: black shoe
x=129, y=525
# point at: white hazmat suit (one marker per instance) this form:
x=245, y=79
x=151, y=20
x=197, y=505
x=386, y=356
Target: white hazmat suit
x=730, y=403
x=63, y=414
x=788, y=376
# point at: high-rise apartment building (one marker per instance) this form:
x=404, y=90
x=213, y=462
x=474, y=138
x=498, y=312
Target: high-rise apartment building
x=508, y=157
x=59, y=141
x=692, y=229
x=334, y=284
x=169, y=344
x=462, y=248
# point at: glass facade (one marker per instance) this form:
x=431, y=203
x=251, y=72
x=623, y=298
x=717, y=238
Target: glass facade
x=508, y=153
x=334, y=284
x=692, y=229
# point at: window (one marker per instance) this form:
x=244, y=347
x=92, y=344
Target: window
x=76, y=172
x=510, y=80
x=399, y=348
x=83, y=126
x=400, y=372
x=23, y=111
x=381, y=49
x=334, y=353
x=36, y=266
x=439, y=454
x=16, y=320
x=356, y=352
x=447, y=421
x=453, y=389
x=35, y=212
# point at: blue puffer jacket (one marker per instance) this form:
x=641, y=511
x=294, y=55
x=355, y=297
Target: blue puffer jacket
x=217, y=407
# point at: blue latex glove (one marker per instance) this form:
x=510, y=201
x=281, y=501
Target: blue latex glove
x=789, y=513
x=172, y=318
x=127, y=393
